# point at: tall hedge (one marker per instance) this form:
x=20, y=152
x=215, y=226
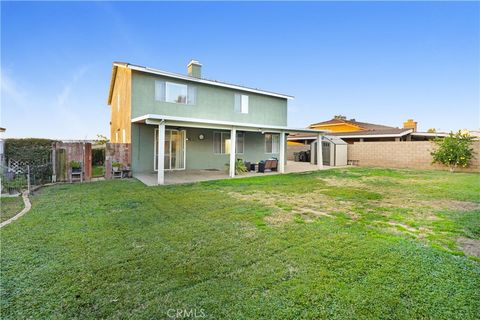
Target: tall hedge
x=33, y=150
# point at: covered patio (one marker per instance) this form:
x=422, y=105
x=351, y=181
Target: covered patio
x=198, y=162
x=191, y=176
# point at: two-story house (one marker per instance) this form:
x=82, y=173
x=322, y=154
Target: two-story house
x=182, y=122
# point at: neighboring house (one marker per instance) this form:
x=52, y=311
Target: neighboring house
x=179, y=122
x=354, y=131
x=2, y=143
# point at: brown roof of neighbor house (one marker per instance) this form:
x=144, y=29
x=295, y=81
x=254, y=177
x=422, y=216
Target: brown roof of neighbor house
x=393, y=132
x=365, y=125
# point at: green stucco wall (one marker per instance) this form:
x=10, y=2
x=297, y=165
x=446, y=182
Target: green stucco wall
x=199, y=153
x=142, y=148
x=214, y=103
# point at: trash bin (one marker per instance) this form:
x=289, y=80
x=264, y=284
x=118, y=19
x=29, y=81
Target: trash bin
x=296, y=156
x=261, y=166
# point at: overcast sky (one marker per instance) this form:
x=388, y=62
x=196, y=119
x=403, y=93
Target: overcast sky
x=376, y=62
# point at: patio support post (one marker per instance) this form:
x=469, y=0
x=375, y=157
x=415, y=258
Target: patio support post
x=233, y=147
x=161, y=154
x=281, y=164
x=319, y=152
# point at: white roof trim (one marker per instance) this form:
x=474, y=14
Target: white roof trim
x=430, y=134
x=389, y=135
x=204, y=81
x=205, y=123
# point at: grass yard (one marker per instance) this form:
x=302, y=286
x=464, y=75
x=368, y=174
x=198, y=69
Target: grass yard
x=10, y=206
x=345, y=243
x=97, y=171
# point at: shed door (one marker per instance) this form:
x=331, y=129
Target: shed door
x=326, y=153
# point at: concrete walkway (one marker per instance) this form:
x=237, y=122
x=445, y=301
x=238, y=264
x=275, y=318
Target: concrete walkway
x=27, y=208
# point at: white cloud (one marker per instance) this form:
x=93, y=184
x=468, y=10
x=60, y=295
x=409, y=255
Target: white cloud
x=11, y=92
x=64, y=95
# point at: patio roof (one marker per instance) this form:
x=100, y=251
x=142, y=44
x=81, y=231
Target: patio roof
x=156, y=119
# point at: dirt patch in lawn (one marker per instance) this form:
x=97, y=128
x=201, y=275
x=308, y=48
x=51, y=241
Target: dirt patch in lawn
x=471, y=247
x=309, y=206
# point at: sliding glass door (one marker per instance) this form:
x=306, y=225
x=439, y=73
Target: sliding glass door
x=174, y=157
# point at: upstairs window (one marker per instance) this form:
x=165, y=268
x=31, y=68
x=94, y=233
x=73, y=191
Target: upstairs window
x=175, y=92
x=241, y=103
x=272, y=143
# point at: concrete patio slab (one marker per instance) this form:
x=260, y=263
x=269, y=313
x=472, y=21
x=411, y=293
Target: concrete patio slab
x=190, y=176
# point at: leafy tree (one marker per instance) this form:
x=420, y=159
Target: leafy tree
x=101, y=139
x=454, y=150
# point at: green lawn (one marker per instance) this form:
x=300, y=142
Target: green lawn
x=340, y=244
x=97, y=171
x=10, y=206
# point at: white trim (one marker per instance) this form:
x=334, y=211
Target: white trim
x=221, y=142
x=218, y=124
x=265, y=142
x=281, y=165
x=209, y=82
x=301, y=138
x=319, y=152
x=167, y=83
x=161, y=154
x=233, y=151
x=184, y=132
x=429, y=134
x=244, y=104
x=124, y=136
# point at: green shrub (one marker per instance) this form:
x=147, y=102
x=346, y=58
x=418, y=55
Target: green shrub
x=31, y=150
x=17, y=183
x=454, y=150
x=116, y=164
x=239, y=166
x=75, y=164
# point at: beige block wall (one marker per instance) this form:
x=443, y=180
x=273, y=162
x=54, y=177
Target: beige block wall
x=291, y=149
x=404, y=154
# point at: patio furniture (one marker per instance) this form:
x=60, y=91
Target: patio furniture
x=117, y=173
x=126, y=172
x=271, y=164
x=76, y=175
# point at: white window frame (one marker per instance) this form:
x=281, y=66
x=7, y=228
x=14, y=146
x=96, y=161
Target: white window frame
x=242, y=105
x=174, y=84
x=116, y=136
x=191, y=97
x=272, y=143
x=155, y=146
x=222, y=146
x=124, y=136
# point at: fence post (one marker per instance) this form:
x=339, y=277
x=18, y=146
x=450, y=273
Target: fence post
x=28, y=178
x=54, y=164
